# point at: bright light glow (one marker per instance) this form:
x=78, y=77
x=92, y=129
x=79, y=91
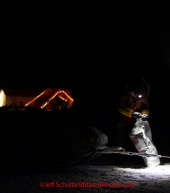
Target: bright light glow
x=2, y=98
x=157, y=172
x=57, y=94
x=44, y=105
x=35, y=98
x=52, y=93
x=68, y=96
x=54, y=96
x=63, y=98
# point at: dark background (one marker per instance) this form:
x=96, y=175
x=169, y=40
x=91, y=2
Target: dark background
x=85, y=45
x=90, y=47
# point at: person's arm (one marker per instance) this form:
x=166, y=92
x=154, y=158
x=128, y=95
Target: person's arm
x=126, y=111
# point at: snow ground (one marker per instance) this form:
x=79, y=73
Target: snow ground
x=99, y=172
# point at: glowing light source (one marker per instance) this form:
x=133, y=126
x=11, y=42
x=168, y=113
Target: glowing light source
x=68, y=96
x=2, y=98
x=62, y=98
x=44, y=105
x=58, y=94
x=35, y=98
x=49, y=94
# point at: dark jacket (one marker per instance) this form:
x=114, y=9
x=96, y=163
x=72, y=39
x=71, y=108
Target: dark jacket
x=128, y=102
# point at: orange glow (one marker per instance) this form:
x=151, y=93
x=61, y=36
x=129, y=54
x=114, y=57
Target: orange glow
x=49, y=94
x=63, y=98
x=54, y=96
x=68, y=96
x=35, y=98
x=44, y=105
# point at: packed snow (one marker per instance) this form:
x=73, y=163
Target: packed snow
x=98, y=175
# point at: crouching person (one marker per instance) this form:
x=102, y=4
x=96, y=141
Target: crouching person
x=132, y=115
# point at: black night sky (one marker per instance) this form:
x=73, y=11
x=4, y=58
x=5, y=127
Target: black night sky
x=77, y=44
x=90, y=47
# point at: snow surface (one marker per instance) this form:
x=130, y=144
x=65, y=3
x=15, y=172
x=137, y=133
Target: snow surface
x=42, y=179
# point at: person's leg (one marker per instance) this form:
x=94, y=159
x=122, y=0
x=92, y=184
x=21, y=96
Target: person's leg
x=142, y=140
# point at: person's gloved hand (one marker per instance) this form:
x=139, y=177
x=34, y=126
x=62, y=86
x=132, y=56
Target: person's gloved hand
x=144, y=117
x=136, y=115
